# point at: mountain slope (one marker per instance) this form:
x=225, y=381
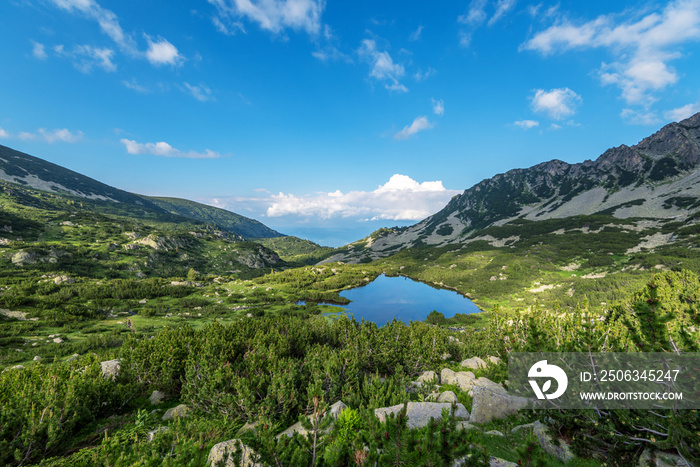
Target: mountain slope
x=656, y=179
x=244, y=226
x=32, y=172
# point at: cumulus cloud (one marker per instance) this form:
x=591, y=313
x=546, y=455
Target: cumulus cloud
x=271, y=15
x=4, y=134
x=162, y=52
x=62, y=135
x=681, y=113
x=401, y=198
x=641, y=47
x=526, y=124
x=163, y=149
x=556, y=103
x=39, y=51
x=419, y=124
x=438, y=107
x=382, y=66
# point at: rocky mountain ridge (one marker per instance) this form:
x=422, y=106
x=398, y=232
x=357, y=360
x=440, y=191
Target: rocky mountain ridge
x=657, y=179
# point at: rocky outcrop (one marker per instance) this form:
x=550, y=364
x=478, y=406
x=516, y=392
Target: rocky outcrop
x=220, y=453
x=473, y=363
x=111, y=368
x=560, y=449
x=489, y=404
x=180, y=411
x=420, y=413
x=334, y=411
x=156, y=397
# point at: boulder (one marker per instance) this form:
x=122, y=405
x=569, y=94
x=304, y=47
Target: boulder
x=110, y=368
x=517, y=429
x=428, y=376
x=486, y=383
x=494, y=360
x=22, y=257
x=561, y=450
x=467, y=426
x=473, y=363
x=58, y=340
x=661, y=459
x=420, y=413
x=493, y=462
x=463, y=379
x=181, y=410
x=490, y=404
x=495, y=433
x=36, y=358
x=334, y=410
x=156, y=397
x=219, y=454
x=448, y=397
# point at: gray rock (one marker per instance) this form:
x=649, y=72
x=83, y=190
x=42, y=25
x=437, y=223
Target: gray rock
x=334, y=411
x=473, y=363
x=22, y=257
x=219, y=451
x=661, y=459
x=490, y=404
x=486, y=383
x=463, y=379
x=493, y=462
x=58, y=340
x=152, y=434
x=181, y=411
x=447, y=396
x=156, y=397
x=249, y=426
x=517, y=429
x=467, y=426
x=495, y=433
x=36, y=358
x=111, y=368
x=420, y=413
x=494, y=360
x=428, y=376
x=560, y=451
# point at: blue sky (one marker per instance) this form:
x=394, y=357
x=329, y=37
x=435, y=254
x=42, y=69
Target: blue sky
x=330, y=119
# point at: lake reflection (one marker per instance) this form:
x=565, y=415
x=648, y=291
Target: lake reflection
x=387, y=298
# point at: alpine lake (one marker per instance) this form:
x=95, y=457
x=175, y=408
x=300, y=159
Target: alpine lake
x=386, y=298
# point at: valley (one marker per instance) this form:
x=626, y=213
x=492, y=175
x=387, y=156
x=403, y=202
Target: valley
x=203, y=306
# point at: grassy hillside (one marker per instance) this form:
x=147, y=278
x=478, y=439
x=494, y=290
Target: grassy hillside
x=227, y=220
x=296, y=250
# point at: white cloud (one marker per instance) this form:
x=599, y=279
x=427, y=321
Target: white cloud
x=108, y=21
x=401, y=198
x=202, y=93
x=421, y=75
x=85, y=57
x=382, y=66
x=39, y=51
x=557, y=103
x=415, y=35
x=635, y=117
x=477, y=15
x=526, y=124
x=419, y=124
x=681, y=113
x=61, y=135
x=135, y=86
x=163, y=149
x=4, y=134
x=162, y=52
x=270, y=15
x=642, y=47
x=438, y=107
x=502, y=7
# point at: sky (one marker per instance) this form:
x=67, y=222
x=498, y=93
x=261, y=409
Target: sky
x=329, y=119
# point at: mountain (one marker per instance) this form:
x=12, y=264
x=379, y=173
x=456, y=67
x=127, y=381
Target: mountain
x=33, y=172
x=654, y=181
x=230, y=221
